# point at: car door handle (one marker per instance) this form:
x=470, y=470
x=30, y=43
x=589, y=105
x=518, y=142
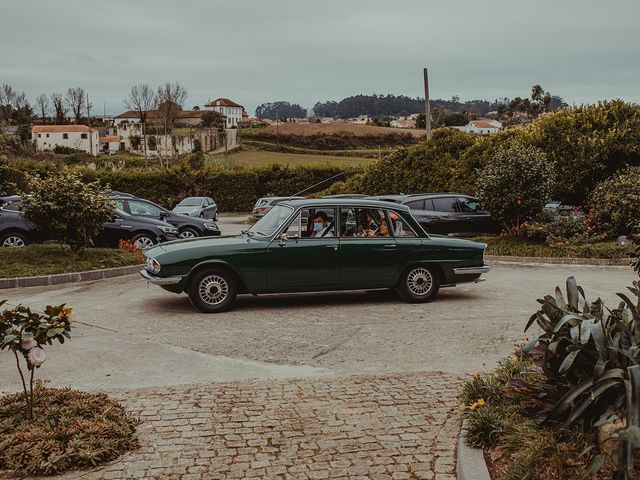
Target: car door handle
x=390, y=245
x=333, y=247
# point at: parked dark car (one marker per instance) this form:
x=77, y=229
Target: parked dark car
x=188, y=227
x=264, y=204
x=203, y=207
x=448, y=213
x=317, y=245
x=15, y=231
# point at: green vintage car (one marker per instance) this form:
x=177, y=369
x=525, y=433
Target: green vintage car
x=317, y=245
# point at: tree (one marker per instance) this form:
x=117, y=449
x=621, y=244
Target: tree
x=170, y=98
x=59, y=108
x=516, y=184
x=212, y=119
x=14, y=106
x=421, y=121
x=76, y=101
x=67, y=208
x=43, y=105
x=142, y=99
x=280, y=110
x=456, y=120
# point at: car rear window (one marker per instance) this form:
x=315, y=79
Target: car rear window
x=416, y=205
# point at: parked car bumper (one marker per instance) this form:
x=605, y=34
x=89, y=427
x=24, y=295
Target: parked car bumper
x=472, y=270
x=162, y=281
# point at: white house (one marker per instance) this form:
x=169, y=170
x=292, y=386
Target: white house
x=402, y=124
x=228, y=108
x=78, y=137
x=481, y=127
x=130, y=116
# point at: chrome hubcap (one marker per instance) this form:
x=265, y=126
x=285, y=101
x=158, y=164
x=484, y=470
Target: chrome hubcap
x=187, y=234
x=213, y=289
x=419, y=281
x=13, y=241
x=144, y=242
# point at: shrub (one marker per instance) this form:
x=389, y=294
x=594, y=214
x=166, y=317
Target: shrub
x=24, y=333
x=337, y=141
x=64, y=207
x=62, y=150
x=556, y=230
x=615, y=203
x=516, y=185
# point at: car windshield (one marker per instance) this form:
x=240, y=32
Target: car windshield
x=191, y=202
x=271, y=221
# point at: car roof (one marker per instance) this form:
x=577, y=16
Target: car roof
x=440, y=194
x=348, y=202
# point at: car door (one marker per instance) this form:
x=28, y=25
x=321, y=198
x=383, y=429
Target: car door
x=114, y=231
x=141, y=208
x=473, y=219
x=303, y=262
x=444, y=218
x=369, y=254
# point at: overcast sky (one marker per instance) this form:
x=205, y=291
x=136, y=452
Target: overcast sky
x=253, y=51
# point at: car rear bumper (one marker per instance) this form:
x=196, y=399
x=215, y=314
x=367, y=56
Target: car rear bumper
x=472, y=270
x=162, y=281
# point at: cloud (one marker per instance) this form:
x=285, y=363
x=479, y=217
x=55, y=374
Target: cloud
x=302, y=51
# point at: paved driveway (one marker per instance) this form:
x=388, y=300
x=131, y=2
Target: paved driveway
x=339, y=385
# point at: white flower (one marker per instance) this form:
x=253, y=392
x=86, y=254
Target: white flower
x=36, y=356
x=28, y=343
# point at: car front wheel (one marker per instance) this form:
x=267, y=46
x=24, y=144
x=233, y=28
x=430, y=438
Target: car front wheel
x=212, y=291
x=143, y=241
x=419, y=284
x=13, y=239
x=188, y=233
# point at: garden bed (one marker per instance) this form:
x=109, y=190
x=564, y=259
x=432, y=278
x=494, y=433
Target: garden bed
x=519, y=247
x=50, y=259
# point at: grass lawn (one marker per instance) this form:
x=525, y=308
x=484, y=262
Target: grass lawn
x=522, y=248
x=49, y=259
x=252, y=159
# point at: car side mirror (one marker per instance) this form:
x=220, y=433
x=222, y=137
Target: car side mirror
x=283, y=240
x=164, y=215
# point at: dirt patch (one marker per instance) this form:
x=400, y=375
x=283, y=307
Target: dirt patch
x=306, y=129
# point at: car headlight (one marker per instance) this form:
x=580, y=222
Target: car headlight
x=211, y=226
x=169, y=230
x=153, y=266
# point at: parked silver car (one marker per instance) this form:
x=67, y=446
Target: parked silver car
x=203, y=207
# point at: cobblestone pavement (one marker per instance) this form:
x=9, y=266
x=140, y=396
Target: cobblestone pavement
x=378, y=427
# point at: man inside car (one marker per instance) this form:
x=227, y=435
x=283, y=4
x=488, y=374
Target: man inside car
x=321, y=226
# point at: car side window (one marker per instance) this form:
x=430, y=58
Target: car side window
x=444, y=204
x=313, y=223
x=468, y=205
x=364, y=222
x=416, y=205
x=400, y=227
x=119, y=204
x=142, y=208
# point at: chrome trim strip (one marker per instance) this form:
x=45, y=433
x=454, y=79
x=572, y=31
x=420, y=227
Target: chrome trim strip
x=472, y=270
x=160, y=280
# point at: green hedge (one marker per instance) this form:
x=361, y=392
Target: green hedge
x=519, y=247
x=337, y=141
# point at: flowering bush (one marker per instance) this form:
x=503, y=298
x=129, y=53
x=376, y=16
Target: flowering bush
x=573, y=229
x=25, y=333
x=129, y=246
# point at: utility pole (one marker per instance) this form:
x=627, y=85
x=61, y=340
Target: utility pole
x=90, y=129
x=427, y=107
x=277, y=132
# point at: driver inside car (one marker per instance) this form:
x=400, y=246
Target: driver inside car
x=321, y=226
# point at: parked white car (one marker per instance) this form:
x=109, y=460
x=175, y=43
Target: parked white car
x=203, y=207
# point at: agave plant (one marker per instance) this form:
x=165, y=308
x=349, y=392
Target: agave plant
x=591, y=356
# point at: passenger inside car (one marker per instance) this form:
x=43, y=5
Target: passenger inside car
x=321, y=226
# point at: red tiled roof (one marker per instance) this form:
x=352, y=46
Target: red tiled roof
x=483, y=124
x=129, y=114
x=109, y=139
x=222, y=102
x=60, y=128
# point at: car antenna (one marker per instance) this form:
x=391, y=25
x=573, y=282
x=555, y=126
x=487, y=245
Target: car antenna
x=319, y=183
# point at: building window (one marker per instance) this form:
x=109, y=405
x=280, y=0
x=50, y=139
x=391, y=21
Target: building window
x=65, y=136
x=83, y=135
x=47, y=135
x=39, y=135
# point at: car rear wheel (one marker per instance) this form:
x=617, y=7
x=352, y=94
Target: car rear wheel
x=189, y=233
x=13, y=239
x=212, y=291
x=419, y=284
x=143, y=241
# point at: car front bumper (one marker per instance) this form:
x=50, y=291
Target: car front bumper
x=162, y=281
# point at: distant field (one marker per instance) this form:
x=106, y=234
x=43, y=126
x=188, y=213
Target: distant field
x=337, y=127
x=252, y=159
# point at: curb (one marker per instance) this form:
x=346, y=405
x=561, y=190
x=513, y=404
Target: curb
x=560, y=260
x=61, y=278
x=470, y=464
